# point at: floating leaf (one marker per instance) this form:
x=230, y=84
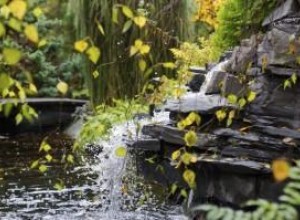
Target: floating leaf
x=189, y=177
x=15, y=24
x=43, y=168
x=121, y=152
x=94, y=54
x=281, y=169
x=18, y=8
x=31, y=33
x=2, y=30
x=251, y=96
x=140, y=21
x=221, y=115
x=62, y=87
x=11, y=56
x=81, y=46
x=127, y=26
x=190, y=138
x=127, y=11
x=142, y=65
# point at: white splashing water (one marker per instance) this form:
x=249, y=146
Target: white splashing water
x=219, y=67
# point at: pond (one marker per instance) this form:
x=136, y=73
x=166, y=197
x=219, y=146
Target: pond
x=101, y=186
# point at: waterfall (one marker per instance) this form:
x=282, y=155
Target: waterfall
x=209, y=75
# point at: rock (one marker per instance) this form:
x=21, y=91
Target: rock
x=287, y=9
x=145, y=144
x=172, y=135
x=215, y=84
x=282, y=71
x=243, y=56
x=275, y=49
x=195, y=102
x=197, y=69
x=196, y=82
x=232, y=85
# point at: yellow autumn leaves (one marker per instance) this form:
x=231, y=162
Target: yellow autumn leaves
x=93, y=52
x=208, y=10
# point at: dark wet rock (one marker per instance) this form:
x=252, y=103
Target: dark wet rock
x=275, y=49
x=196, y=102
x=232, y=85
x=279, y=132
x=196, y=82
x=282, y=71
x=145, y=144
x=172, y=135
x=243, y=56
x=289, y=8
x=254, y=72
x=216, y=82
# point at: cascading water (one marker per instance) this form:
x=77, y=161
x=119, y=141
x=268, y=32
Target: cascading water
x=219, y=67
x=94, y=190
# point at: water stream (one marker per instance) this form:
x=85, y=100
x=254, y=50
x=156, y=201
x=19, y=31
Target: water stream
x=102, y=187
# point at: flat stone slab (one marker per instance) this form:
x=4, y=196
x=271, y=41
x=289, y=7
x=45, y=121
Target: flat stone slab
x=145, y=144
x=174, y=136
x=197, y=102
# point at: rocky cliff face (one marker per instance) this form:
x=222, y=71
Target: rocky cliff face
x=234, y=162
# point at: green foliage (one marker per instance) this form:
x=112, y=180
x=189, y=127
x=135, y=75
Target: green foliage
x=99, y=124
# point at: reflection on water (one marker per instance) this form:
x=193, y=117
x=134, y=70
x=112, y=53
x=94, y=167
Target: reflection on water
x=101, y=187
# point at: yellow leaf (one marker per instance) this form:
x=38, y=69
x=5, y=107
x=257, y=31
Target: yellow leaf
x=145, y=49
x=2, y=30
x=11, y=56
x=142, y=65
x=96, y=74
x=15, y=24
x=18, y=8
x=169, y=65
x=176, y=154
x=94, y=54
x=232, y=99
x=281, y=169
x=19, y=119
x=100, y=28
x=127, y=11
x=251, y=96
x=221, y=115
x=31, y=33
x=43, y=168
x=189, y=177
x=133, y=50
x=121, y=152
x=81, y=46
x=32, y=88
x=115, y=13
x=181, y=125
x=190, y=138
x=3, y=2
x=127, y=26
x=138, y=44
x=192, y=118
x=186, y=158
x=62, y=87
x=42, y=43
x=48, y=157
x=37, y=12
x=5, y=11
x=140, y=21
